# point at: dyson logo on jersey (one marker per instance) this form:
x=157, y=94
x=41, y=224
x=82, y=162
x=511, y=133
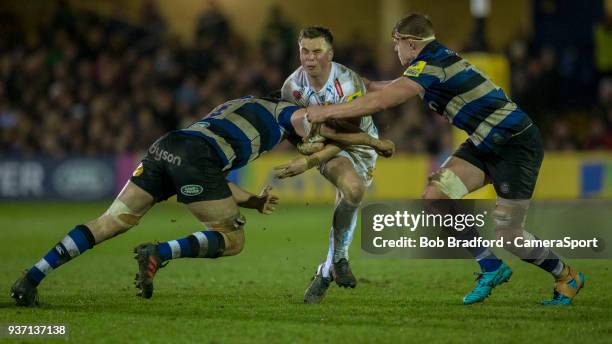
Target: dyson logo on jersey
x=162, y=154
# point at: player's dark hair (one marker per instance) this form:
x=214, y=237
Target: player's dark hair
x=415, y=24
x=316, y=32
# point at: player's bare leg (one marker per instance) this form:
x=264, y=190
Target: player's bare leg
x=223, y=236
x=455, y=179
x=350, y=191
x=124, y=213
x=223, y=217
x=509, y=224
x=445, y=185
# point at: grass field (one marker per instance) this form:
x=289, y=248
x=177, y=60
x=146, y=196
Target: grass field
x=257, y=296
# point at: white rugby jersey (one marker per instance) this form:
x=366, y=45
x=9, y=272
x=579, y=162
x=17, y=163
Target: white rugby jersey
x=343, y=85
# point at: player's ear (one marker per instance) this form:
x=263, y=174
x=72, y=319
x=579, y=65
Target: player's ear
x=330, y=56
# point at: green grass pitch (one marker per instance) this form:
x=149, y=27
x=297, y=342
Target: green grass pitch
x=257, y=295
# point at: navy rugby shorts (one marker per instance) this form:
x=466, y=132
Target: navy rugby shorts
x=514, y=169
x=182, y=165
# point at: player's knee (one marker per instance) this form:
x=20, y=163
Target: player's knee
x=234, y=242
x=509, y=217
x=432, y=192
x=444, y=183
x=232, y=231
x=122, y=215
x=353, y=192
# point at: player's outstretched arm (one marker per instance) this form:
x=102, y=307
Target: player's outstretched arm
x=302, y=164
x=395, y=93
x=383, y=147
x=373, y=86
x=264, y=202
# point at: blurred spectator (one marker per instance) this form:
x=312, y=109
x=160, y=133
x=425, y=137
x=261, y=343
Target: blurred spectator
x=478, y=38
x=278, y=40
x=213, y=27
x=152, y=20
x=358, y=55
x=600, y=135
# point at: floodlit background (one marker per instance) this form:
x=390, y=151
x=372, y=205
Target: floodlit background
x=100, y=80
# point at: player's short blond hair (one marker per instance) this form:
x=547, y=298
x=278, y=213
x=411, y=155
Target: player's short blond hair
x=415, y=25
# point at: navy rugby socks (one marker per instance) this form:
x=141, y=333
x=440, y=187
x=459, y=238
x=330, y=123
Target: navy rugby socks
x=203, y=244
x=78, y=240
x=542, y=257
x=487, y=260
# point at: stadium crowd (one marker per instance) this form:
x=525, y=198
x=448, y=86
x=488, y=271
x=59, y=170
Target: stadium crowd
x=89, y=85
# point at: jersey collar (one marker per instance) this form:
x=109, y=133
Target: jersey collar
x=429, y=50
x=329, y=83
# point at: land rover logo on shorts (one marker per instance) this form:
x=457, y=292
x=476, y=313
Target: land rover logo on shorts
x=191, y=190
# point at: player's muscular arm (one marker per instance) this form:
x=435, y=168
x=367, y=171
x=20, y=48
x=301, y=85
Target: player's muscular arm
x=297, y=121
x=304, y=163
x=264, y=202
x=373, y=86
x=383, y=147
x=395, y=93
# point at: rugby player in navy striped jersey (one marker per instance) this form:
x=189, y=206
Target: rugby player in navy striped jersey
x=504, y=146
x=191, y=163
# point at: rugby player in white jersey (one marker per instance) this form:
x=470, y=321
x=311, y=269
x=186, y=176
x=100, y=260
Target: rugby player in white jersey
x=320, y=81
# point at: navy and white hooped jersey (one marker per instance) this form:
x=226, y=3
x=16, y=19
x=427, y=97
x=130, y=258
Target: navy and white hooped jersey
x=467, y=97
x=240, y=130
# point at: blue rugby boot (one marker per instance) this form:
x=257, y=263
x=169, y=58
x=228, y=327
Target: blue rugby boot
x=567, y=287
x=486, y=281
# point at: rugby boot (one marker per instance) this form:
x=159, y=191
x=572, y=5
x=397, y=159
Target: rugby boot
x=149, y=262
x=342, y=274
x=485, y=283
x=567, y=287
x=317, y=288
x=24, y=292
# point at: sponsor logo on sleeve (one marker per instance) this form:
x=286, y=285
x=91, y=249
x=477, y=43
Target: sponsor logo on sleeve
x=354, y=95
x=415, y=69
